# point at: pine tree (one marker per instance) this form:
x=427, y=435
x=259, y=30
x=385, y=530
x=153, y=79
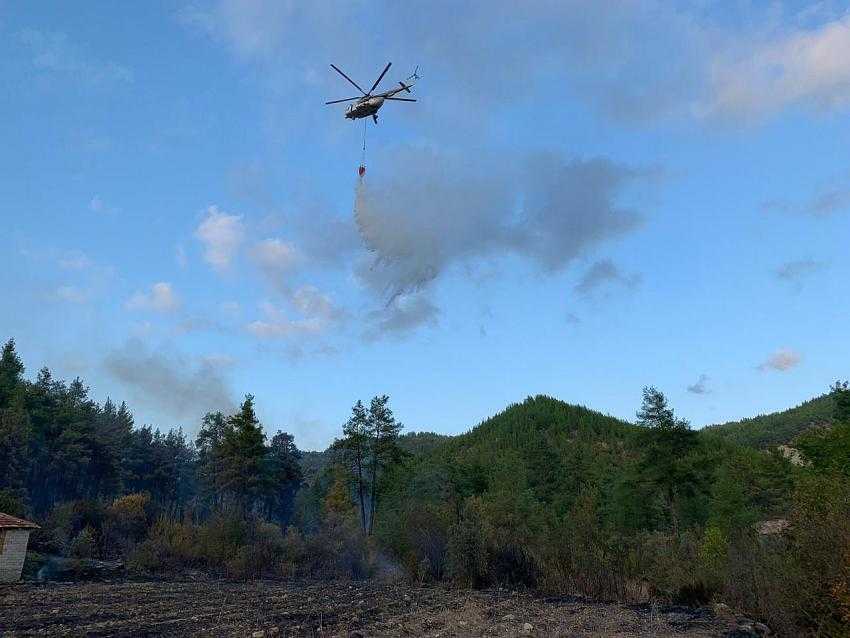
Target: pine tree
x=286, y=476
x=14, y=427
x=355, y=447
x=109, y=445
x=667, y=443
x=242, y=465
x=384, y=431
x=14, y=458
x=11, y=374
x=840, y=391
x=208, y=445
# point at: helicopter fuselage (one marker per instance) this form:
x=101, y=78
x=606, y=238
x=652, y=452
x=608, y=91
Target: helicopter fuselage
x=364, y=107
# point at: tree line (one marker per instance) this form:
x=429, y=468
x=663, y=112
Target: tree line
x=57, y=445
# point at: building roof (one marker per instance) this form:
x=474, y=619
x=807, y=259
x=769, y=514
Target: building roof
x=11, y=522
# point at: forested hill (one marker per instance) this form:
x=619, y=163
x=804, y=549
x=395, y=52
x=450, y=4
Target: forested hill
x=542, y=447
x=537, y=421
x=777, y=428
x=543, y=444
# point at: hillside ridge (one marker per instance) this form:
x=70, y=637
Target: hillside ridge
x=777, y=428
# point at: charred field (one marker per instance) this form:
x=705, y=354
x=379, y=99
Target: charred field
x=345, y=609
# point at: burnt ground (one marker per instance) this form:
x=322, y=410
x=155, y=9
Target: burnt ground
x=223, y=608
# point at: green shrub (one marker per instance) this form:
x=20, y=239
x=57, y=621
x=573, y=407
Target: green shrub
x=126, y=523
x=84, y=544
x=467, y=553
x=261, y=554
x=11, y=503
x=61, y=528
x=220, y=537
x=170, y=544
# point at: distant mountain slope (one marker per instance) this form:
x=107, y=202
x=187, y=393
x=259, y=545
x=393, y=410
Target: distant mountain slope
x=544, y=445
x=539, y=415
x=777, y=428
x=421, y=442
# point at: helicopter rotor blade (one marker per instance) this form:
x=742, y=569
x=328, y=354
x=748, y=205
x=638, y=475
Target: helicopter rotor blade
x=401, y=99
x=380, y=77
x=357, y=86
x=348, y=99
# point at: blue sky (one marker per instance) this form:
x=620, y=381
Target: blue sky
x=585, y=200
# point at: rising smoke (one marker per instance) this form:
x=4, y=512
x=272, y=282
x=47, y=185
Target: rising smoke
x=436, y=211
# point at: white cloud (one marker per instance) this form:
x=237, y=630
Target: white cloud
x=97, y=205
x=404, y=314
x=276, y=259
x=54, y=53
x=829, y=200
x=177, y=386
x=197, y=324
x=601, y=273
x=310, y=302
x=222, y=235
x=794, y=273
x=75, y=260
x=230, y=308
x=316, y=309
x=252, y=28
x=781, y=361
x=180, y=256
x=71, y=294
x=633, y=61
x=809, y=67
x=161, y=298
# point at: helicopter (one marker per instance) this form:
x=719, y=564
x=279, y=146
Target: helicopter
x=369, y=103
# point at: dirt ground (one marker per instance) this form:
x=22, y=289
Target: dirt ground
x=221, y=608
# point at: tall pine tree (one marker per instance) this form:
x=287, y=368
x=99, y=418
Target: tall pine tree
x=384, y=431
x=356, y=447
x=243, y=470
x=667, y=443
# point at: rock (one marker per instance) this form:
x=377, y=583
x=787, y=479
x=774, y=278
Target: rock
x=407, y=598
x=724, y=612
x=761, y=629
x=773, y=526
x=527, y=627
x=745, y=629
x=508, y=617
x=259, y=634
x=462, y=623
x=792, y=454
x=273, y=631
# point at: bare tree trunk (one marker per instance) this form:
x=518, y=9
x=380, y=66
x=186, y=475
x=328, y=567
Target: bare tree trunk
x=360, y=490
x=373, y=493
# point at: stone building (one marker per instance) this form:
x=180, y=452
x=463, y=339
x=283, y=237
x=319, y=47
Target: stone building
x=14, y=535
